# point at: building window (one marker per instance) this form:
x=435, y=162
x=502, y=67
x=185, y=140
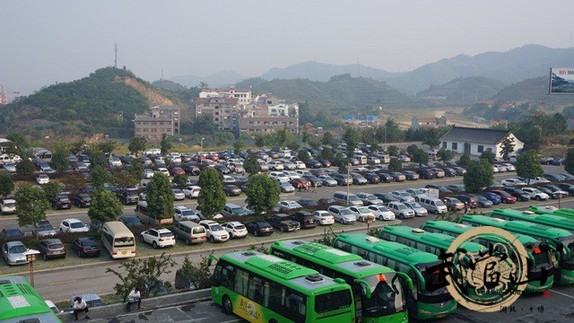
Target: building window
x=454, y=146
x=480, y=148
x=444, y=144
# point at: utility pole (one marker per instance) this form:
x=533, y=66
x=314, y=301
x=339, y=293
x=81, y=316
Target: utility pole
x=116, y=55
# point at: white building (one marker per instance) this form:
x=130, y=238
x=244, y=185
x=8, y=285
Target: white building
x=474, y=141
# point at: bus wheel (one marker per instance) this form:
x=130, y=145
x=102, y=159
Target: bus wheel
x=227, y=306
x=272, y=321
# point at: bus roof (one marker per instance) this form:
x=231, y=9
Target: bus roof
x=392, y=250
x=460, y=228
x=18, y=299
x=117, y=227
x=345, y=262
x=524, y=227
x=303, y=279
x=546, y=219
x=438, y=240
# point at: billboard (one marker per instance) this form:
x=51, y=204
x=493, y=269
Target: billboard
x=561, y=80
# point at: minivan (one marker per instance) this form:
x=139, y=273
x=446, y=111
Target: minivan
x=433, y=204
x=190, y=232
x=343, y=197
x=231, y=209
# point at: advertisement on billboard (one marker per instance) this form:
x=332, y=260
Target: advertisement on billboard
x=561, y=80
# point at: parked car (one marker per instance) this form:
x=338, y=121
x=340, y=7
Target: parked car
x=505, y=197
x=512, y=182
x=191, y=191
x=535, y=194
x=386, y=197
x=554, y=177
x=342, y=214
x=128, y=197
x=449, y=172
x=231, y=190
x=235, y=229
x=158, y=238
x=567, y=187
x=86, y=247
x=469, y=200
x=385, y=178
x=411, y=175
x=308, y=203
x=482, y=200
x=44, y=229
x=259, y=228
x=11, y=233
x=403, y=196
x=215, y=232
x=82, y=200
x=52, y=248
x=183, y=213
x=325, y=202
x=73, y=225
x=286, y=187
x=453, y=204
x=324, y=217
x=401, y=210
x=306, y=219
x=61, y=201
x=492, y=197
x=556, y=190
x=287, y=206
x=456, y=188
x=42, y=179
x=369, y=199
x=358, y=179
x=283, y=222
x=178, y=194
x=130, y=220
x=425, y=173
x=363, y=213
x=382, y=212
x=343, y=179
x=14, y=253
x=419, y=210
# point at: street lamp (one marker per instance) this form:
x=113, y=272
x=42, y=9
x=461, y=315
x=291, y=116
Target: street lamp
x=30, y=257
x=348, y=182
x=201, y=144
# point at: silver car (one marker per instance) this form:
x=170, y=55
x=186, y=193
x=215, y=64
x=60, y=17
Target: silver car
x=14, y=253
x=419, y=210
x=342, y=214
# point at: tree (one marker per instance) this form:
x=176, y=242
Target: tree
x=74, y=182
x=6, y=184
x=393, y=150
x=327, y=154
x=136, y=169
x=303, y=155
x=464, y=160
x=200, y=274
x=395, y=165
x=51, y=189
x=328, y=139
x=569, y=162
x=411, y=149
x=314, y=142
x=141, y=273
x=479, y=176
x=122, y=179
x=31, y=206
x=251, y=165
x=107, y=147
x=528, y=165
x=262, y=140
x=180, y=180
x=211, y=198
x=507, y=147
x=445, y=154
x=166, y=144
x=159, y=197
x=420, y=156
x=238, y=146
x=97, y=158
x=99, y=176
x=489, y=156
x=343, y=168
x=432, y=138
x=25, y=167
x=137, y=144
x=351, y=137
x=105, y=206
x=262, y=193
x=60, y=159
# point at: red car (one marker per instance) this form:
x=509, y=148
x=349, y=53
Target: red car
x=505, y=196
x=177, y=171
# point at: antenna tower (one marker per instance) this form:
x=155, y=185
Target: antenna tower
x=116, y=55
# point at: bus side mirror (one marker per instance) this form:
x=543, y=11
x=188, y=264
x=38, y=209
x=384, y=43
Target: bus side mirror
x=366, y=286
x=406, y=280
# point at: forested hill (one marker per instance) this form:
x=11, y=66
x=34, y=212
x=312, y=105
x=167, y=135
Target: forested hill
x=104, y=102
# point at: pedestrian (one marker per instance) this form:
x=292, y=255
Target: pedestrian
x=466, y=207
x=314, y=187
x=307, y=186
x=134, y=297
x=300, y=186
x=80, y=306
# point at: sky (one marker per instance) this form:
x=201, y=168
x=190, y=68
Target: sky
x=44, y=42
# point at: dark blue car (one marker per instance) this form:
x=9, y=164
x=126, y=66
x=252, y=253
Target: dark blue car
x=494, y=198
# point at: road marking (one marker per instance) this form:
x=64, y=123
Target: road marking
x=63, y=282
x=563, y=294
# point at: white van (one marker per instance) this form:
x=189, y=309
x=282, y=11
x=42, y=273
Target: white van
x=118, y=240
x=433, y=205
x=190, y=232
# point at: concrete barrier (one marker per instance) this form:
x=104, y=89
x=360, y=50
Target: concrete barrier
x=116, y=310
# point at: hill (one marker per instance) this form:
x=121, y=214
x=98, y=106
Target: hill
x=321, y=72
x=103, y=102
x=221, y=79
x=533, y=90
x=462, y=91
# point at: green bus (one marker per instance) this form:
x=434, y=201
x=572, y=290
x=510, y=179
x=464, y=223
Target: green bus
x=541, y=256
x=560, y=240
x=529, y=216
x=424, y=302
x=377, y=289
x=266, y=288
x=549, y=209
x=20, y=302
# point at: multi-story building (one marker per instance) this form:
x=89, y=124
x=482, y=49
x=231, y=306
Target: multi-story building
x=418, y=123
x=159, y=120
x=224, y=110
x=265, y=119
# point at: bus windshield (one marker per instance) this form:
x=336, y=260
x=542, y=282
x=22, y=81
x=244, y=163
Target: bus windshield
x=386, y=297
x=124, y=242
x=435, y=295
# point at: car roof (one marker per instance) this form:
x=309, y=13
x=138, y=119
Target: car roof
x=72, y=220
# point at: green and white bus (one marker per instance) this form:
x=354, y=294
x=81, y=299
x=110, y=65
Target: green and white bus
x=529, y=216
x=424, y=302
x=560, y=240
x=541, y=256
x=549, y=209
x=266, y=288
x=20, y=302
x=377, y=289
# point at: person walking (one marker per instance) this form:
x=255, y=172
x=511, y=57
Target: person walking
x=134, y=297
x=466, y=207
x=80, y=306
x=314, y=187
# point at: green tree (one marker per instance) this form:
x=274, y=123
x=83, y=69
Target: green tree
x=489, y=156
x=569, y=162
x=136, y=169
x=411, y=149
x=141, y=272
x=51, y=189
x=25, y=167
x=180, y=180
x=303, y=155
x=314, y=142
x=327, y=154
x=343, y=168
x=20, y=143
x=74, y=183
x=31, y=206
x=445, y=154
x=60, y=159
x=432, y=138
x=351, y=137
x=479, y=176
x=166, y=144
x=99, y=176
x=507, y=147
x=262, y=140
x=204, y=125
x=105, y=207
x=395, y=165
x=392, y=131
x=77, y=147
x=420, y=156
x=6, y=184
x=122, y=179
x=464, y=160
x=262, y=193
x=159, y=197
x=97, y=158
x=211, y=198
x=200, y=274
x=393, y=150
x=528, y=165
x=328, y=139
x=238, y=146
x=251, y=165
x=137, y=144
x=107, y=147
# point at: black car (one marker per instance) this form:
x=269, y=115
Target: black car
x=385, y=178
x=82, y=200
x=259, y=228
x=231, y=190
x=358, y=179
x=518, y=193
x=310, y=203
x=128, y=197
x=426, y=173
x=222, y=169
x=283, y=222
x=311, y=163
x=325, y=163
x=386, y=197
x=130, y=220
x=449, y=172
x=191, y=170
x=553, y=193
x=567, y=187
x=440, y=188
x=61, y=201
x=11, y=233
x=325, y=202
x=315, y=181
x=86, y=247
x=305, y=219
x=372, y=178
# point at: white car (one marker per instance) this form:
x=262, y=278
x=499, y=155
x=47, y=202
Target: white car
x=300, y=164
x=291, y=174
x=183, y=213
x=235, y=229
x=512, y=182
x=401, y=210
x=289, y=165
x=215, y=232
x=342, y=214
x=404, y=158
x=403, y=196
x=279, y=176
x=382, y=212
x=42, y=179
x=191, y=191
x=535, y=194
x=158, y=238
x=535, y=180
x=363, y=213
x=369, y=199
x=276, y=165
x=73, y=225
x=163, y=170
x=419, y=209
x=324, y=217
x=148, y=173
x=509, y=167
x=178, y=194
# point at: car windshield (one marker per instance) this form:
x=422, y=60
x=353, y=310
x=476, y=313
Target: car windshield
x=187, y=213
x=363, y=210
x=415, y=205
x=89, y=242
x=45, y=226
x=239, y=227
x=12, y=232
x=371, y=197
x=17, y=249
x=345, y=212
x=77, y=225
x=216, y=227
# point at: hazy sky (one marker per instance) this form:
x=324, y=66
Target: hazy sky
x=58, y=41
